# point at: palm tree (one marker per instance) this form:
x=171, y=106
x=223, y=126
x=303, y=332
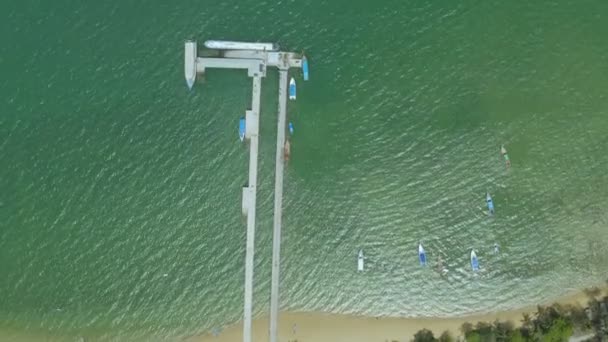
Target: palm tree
x=527, y=325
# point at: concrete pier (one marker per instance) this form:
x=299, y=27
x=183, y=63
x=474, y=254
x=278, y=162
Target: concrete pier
x=278, y=205
x=254, y=115
x=254, y=67
x=255, y=62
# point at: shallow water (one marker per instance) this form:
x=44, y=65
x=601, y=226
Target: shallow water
x=120, y=203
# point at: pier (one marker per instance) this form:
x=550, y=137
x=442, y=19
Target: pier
x=255, y=58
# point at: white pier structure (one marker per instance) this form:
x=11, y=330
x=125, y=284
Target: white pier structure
x=255, y=58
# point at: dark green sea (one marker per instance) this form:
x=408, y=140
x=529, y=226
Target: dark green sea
x=120, y=190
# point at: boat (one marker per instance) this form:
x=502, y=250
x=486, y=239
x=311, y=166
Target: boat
x=290, y=128
x=242, y=129
x=231, y=45
x=490, y=203
x=190, y=63
x=474, y=261
x=421, y=255
x=305, y=67
x=360, y=261
x=292, y=89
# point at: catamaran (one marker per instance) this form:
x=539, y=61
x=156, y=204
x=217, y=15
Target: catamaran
x=421, y=255
x=474, y=261
x=360, y=261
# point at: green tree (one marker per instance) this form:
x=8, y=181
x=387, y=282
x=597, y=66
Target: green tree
x=466, y=328
x=503, y=330
x=560, y=330
x=473, y=337
x=517, y=337
x=578, y=317
x=527, y=326
x=424, y=335
x=485, y=331
x=446, y=337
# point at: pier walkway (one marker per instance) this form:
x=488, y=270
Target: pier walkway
x=255, y=62
x=278, y=205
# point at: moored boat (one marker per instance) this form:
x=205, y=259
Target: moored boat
x=305, y=67
x=242, y=129
x=292, y=89
x=290, y=125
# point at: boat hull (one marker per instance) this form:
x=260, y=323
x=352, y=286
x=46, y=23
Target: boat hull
x=305, y=68
x=490, y=204
x=190, y=63
x=292, y=89
x=360, y=261
x=231, y=45
x=474, y=261
x=242, y=129
x=421, y=255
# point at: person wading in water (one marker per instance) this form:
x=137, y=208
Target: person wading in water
x=287, y=150
x=503, y=151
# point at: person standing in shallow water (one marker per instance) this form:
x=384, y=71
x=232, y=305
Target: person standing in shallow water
x=287, y=150
x=503, y=151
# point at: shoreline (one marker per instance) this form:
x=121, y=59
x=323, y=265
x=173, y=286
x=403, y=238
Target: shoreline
x=324, y=327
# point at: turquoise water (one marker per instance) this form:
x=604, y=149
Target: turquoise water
x=121, y=190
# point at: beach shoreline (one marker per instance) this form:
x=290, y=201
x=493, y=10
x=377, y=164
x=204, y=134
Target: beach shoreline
x=324, y=327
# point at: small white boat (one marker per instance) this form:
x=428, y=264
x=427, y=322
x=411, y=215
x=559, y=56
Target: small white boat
x=490, y=203
x=360, y=261
x=292, y=89
x=474, y=261
x=190, y=63
x=232, y=45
